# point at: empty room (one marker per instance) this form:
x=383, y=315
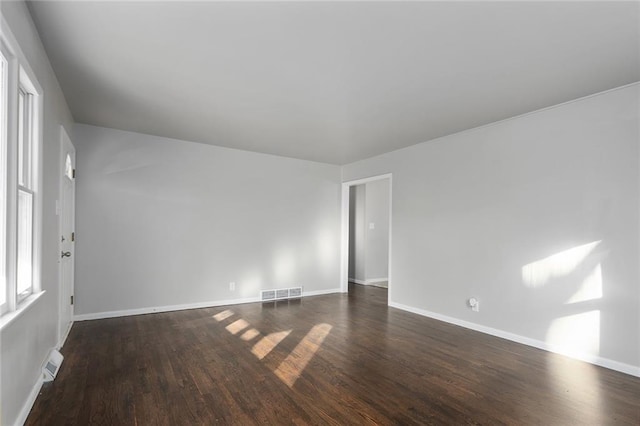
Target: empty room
x=319, y=212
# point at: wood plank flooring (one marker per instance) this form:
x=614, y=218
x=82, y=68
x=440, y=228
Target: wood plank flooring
x=335, y=359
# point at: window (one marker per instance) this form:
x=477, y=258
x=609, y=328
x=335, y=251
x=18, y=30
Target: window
x=24, y=270
x=68, y=167
x=3, y=193
x=20, y=123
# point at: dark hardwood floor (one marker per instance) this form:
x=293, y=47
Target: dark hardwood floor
x=333, y=359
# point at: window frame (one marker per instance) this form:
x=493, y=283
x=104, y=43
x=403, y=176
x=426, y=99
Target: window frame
x=19, y=78
x=25, y=168
x=4, y=107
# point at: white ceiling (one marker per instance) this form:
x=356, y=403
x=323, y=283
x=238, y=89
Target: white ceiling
x=330, y=81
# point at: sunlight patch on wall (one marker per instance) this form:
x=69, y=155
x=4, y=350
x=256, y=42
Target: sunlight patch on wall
x=326, y=248
x=284, y=268
x=590, y=289
x=538, y=273
x=576, y=335
x=294, y=364
x=250, y=285
x=267, y=343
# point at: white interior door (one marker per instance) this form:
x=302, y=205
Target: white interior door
x=67, y=233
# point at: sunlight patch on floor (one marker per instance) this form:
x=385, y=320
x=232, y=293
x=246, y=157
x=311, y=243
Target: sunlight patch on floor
x=267, y=343
x=221, y=316
x=237, y=326
x=250, y=334
x=578, y=383
x=291, y=368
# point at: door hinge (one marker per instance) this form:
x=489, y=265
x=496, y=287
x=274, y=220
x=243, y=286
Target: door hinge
x=73, y=236
x=72, y=300
x=73, y=173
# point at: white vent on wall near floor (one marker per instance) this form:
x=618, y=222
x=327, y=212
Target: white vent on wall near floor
x=281, y=294
x=52, y=366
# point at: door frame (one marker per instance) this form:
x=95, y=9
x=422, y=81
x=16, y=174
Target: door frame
x=63, y=329
x=344, y=261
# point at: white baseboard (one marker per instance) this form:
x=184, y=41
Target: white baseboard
x=368, y=281
x=31, y=399
x=182, y=307
x=158, y=309
x=64, y=336
x=321, y=292
x=592, y=359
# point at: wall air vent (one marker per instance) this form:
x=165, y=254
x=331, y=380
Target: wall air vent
x=266, y=295
x=281, y=294
x=295, y=292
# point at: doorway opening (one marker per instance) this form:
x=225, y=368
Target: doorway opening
x=366, y=210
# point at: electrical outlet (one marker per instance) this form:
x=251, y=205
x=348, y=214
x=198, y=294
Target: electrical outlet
x=474, y=304
x=232, y=286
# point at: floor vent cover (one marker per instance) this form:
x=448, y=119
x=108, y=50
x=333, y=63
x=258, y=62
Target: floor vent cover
x=51, y=368
x=281, y=294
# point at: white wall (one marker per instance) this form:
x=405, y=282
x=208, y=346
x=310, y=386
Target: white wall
x=162, y=222
x=377, y=239
x=472, y=210
x=26, y=341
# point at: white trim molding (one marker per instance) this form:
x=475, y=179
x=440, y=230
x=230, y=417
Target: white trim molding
x=158, y=309
x=64, y=336
x=28, y=404
x=33, y=395
x=185, y=306
x=596, y=360
x=344, y=247
x=321, y=292
x=368, y=281
x=24, y=306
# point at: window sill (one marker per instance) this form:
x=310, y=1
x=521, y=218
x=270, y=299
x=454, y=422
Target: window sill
x=9, y=317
